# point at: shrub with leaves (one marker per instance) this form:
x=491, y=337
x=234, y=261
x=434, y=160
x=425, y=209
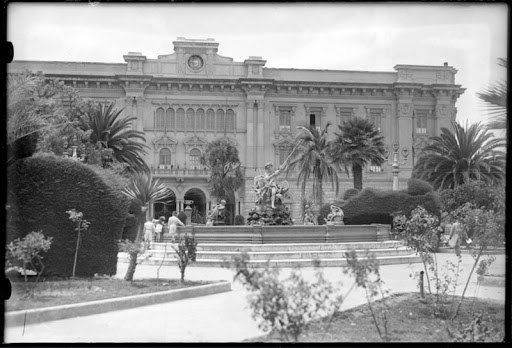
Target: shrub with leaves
x=421, y=232
x=367, y=276
x=479, y=329
x=24, y=252
x=286, y=307
x=185, y=253
x=239, y=220
x=487, y=229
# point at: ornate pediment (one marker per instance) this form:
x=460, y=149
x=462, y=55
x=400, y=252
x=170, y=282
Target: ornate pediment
x=195, y=141
x=165, y=141
x=283, y=144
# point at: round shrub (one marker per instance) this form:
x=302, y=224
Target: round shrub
x=352, y=192
x=183, y=217
x=417, y=187
x=41, y=189
x=239, y=220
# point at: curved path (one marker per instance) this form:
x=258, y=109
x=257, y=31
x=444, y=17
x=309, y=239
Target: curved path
x=222, y=317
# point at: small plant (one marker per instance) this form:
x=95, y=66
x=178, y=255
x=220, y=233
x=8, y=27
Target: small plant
x=24, y=252
x=185, y=253
x=305, y=202
x=239, y=220
x=479, y=329
x=82, y=225
x=287, y=306
x=367, y=276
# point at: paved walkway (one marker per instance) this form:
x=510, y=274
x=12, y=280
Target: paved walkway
x=216, y=318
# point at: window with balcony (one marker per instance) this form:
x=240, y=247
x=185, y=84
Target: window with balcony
x=194, y=156
x=165, y=157
x=421, y=121
x=285, y=120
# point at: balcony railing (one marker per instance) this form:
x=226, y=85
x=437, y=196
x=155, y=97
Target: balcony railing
x=181, y=172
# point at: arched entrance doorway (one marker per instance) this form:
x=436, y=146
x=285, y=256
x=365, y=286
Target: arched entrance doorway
x=198, y=206
x=166, y=207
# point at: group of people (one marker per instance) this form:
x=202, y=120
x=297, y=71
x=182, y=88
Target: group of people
x=154, y=228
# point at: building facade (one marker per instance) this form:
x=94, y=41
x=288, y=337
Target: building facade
x=188, y=98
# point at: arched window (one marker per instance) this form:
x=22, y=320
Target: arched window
x=190, y=119
x=165, y=156
x=219, y=120
x=210, y=120
x=194, y=158
x=159, y=118
x=200, y=119
x=171, y=119
x=180, y=116
x=230, y=120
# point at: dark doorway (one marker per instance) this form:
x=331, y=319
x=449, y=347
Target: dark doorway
x=198, y=206
x=165, y=208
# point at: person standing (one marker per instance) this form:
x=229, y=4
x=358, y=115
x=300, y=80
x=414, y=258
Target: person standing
x=159, y=227
x=455, y=237
x=149, y=230
x=174, y=222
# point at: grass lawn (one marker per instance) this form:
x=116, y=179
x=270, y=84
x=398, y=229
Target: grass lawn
x=61, y=292
x=409, y=320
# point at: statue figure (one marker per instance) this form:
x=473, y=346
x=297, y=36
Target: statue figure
x=309, y=217
x=217, y=214
x=266, y=188
x=336, y=215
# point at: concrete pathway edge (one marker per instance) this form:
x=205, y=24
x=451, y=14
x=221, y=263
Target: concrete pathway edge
x=39, y=315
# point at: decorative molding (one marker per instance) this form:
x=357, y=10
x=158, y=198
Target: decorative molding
x=164, y=141
x=405, y=110
x=193, y=142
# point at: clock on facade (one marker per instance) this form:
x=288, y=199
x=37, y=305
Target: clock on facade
x=195, y=62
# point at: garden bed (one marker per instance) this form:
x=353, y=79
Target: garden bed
x=51, y=293
x=410, y=319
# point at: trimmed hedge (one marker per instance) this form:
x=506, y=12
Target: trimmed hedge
x=352, y=192
x=40, y=191
x=417, y=187
x=239, y=220
x=374, y=203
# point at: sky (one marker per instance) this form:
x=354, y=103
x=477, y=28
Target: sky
x=333, y=36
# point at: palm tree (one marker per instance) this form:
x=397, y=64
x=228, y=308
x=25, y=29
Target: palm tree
x=144, y=191
x=114, y=133
x=453, y=159
x=357, y=144
x=495, y=97
x=311, y=156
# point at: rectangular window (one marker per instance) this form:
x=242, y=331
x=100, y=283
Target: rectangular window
x=314, y=120
x=376, y=118
x=373, y=168
x=285, y=120
x=345, y=114
x=421, y=121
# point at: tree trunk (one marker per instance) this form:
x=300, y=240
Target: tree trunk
x=481, y=251
x=320, y=194
x=357, y=172
x=133, y=255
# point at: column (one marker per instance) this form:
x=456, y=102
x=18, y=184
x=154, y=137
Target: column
x=444, y=111
x=249, y=157
x=405, y=109
x=260, y=139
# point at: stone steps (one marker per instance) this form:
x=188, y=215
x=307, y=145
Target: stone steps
x=281, y=255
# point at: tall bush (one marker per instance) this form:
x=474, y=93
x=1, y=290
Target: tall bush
x=417, y=187
x=40, y=191
x=351, y=192
x=479, y=194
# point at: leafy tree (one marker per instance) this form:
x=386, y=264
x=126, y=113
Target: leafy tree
x=185, y=253
x=36, y=112
x=495, y=98
x=144, y=191
x=479, y=194
x=222, y=159
x=311, y=156
x=358, y=144
x=470, y=153
x=110, y=131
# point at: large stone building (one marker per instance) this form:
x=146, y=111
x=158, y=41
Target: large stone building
x=185, y=99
